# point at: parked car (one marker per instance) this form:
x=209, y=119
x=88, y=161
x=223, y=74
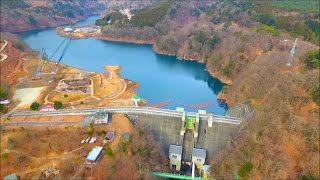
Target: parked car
x=92, y=140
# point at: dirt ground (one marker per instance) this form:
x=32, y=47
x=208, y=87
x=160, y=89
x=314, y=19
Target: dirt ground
x=65, y=118
x=42, y=147
x=27, y=95
x=29, y=151
x=120, y=125
x=110, y=90
x=66, y=97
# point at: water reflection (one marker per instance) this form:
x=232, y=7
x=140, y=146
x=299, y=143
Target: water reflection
x=187, y=67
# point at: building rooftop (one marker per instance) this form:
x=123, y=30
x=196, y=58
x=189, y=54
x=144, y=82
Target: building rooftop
x=175, y=149
x=101, y=114
x=47, y=106
x=199, y=153
x=94, y=153
x=180, y=109
x=109, y=135
x=12, y=176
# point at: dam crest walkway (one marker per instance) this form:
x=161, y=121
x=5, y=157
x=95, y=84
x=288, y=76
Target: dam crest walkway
x=128, y=110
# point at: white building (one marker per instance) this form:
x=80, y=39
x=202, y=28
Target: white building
x=199, y=157
x=101, y=117
x=175, y=153
x=47, y=107
x=67, y=29
x=94, y=155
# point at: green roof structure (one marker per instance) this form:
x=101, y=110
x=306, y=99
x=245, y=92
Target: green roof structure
x=137, y=97
x=190, y=122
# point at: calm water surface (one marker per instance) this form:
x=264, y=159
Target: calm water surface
x=161, y=78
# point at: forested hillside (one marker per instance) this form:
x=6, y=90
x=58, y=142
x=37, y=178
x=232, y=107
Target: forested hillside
x=246, y=44
x=23, y=15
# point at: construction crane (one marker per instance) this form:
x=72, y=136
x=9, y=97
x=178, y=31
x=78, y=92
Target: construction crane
x=292, y=51
x=44, y=60
x=62, y=54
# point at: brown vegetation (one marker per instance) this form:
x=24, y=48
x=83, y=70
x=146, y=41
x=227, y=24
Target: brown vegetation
x=281, y=141
x=23, y=15
x=29, y=151
x=12, y=68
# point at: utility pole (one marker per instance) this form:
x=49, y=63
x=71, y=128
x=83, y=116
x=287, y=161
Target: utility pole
x=292, y=51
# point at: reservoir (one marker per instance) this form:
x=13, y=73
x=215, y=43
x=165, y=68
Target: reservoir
x=161, y=78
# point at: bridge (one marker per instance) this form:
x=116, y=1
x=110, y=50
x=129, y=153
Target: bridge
x=128, y=110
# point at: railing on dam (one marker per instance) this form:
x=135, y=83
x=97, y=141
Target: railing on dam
x=127, y=110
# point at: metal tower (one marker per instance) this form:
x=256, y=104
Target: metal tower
x=292, y=51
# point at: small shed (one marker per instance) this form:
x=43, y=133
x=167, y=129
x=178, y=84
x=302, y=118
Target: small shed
x=137, y=99
x=206, y=171
x=94, y=155
x=47, y=107
x=199, y=157
x=109, y=135
x=12, y=176
x=175, y=153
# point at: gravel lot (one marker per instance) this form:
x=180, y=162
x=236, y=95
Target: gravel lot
x=27, y=95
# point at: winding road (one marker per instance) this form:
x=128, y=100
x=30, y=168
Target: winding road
x=3, y=56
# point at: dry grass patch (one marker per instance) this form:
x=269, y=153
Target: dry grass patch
x=102, y=86
x=31, y=150
x=66, y=97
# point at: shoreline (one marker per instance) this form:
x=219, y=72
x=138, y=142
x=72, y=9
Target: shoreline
x=53, y=25
x=155, y=49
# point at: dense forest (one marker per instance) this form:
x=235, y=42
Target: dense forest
x=246, y=44
x=22, y=15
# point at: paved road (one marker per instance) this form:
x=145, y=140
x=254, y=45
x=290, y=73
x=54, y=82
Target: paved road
x=43, y=123
x=85, y=122
x=4, y=56
x=90, y=111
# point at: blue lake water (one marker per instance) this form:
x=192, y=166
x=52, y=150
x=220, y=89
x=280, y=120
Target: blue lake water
x=161, y=78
